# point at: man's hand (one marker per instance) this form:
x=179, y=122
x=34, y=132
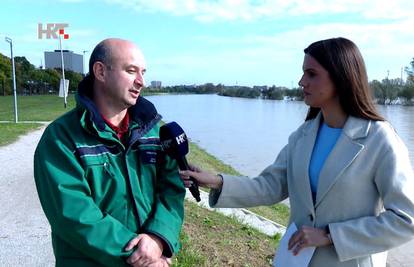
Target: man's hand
x=148, y=251
x=163, y=262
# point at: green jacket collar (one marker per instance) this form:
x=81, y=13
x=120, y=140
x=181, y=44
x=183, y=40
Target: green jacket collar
x=143, y=114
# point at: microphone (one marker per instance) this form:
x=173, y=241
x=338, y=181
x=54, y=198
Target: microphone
x=175, y=143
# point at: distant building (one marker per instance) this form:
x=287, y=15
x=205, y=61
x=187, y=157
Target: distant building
x=72, y=61
x=155, y=84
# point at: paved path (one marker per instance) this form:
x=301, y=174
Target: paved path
x=25, y=232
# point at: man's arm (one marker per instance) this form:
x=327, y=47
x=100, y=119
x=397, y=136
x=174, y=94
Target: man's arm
x=167, y=219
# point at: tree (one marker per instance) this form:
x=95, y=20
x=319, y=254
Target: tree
x=74, y=79
x=407, y=93
x=3, y=80
x=410, y=72
x=23, y=71
x=273, y=92
x=386, y=91
x=5, y=75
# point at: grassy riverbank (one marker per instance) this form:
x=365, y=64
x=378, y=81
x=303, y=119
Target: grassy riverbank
x=208, y=238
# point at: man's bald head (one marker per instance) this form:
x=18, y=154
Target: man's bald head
x=107, y=50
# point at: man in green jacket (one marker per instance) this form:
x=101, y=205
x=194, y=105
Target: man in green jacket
x=112, y=197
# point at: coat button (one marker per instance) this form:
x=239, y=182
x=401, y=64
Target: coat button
x=311, y=217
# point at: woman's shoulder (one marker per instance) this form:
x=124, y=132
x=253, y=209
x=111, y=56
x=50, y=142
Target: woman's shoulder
x=300, y=130
x=383, y=129
x=386, y=134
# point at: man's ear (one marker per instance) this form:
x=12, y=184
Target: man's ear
x=99, y=71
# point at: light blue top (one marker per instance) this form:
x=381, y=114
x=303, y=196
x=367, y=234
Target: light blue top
x=325, y=142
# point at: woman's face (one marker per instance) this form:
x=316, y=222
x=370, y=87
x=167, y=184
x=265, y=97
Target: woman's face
x=318, y=88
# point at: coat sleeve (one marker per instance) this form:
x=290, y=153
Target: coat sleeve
x=394, y=226
x=168, y=215
x=268, y=188
x=66, y=199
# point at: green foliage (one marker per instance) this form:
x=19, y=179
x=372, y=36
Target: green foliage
x=240, y=91
x=407, y=93
x=5, y=75
x=73, y=77
x=295, y=94
x=30, y=80
x=388, y=90
x=410, y=72
x=273, y=92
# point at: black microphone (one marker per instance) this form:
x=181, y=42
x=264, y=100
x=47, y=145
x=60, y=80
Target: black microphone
x=175, y=143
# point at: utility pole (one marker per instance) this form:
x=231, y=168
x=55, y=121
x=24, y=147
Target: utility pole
x=10, y=41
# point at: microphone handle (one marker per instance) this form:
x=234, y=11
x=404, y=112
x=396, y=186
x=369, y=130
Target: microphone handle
x=195, y=192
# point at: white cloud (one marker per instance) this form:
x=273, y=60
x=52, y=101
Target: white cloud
x=208, y=11
x=246, y=58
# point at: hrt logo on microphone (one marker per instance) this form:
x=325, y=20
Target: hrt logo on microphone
x=51, y=30
x=181, y=138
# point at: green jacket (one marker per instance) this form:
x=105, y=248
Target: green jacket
x=99, y=194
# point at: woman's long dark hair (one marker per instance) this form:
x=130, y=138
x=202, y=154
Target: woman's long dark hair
x=346, y=67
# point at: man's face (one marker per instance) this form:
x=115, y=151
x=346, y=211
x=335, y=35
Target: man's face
x=124, y=78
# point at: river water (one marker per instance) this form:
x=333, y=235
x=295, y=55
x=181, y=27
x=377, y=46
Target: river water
x=249, y=133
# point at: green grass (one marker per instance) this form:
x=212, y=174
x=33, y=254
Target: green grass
x=10, y=132
x=211, y=239
x=34, y=108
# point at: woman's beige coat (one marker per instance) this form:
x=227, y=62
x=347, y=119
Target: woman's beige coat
x=365, y=192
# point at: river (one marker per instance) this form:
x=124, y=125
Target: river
x=249, y=133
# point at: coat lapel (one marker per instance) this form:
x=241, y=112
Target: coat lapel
x=342, y=155
x=305, y=145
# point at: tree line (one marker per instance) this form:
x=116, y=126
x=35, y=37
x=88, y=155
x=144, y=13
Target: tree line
x=386, y=91
x=32, y=80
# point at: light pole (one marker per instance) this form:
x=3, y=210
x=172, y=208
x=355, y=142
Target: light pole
x=63, y=73
x=83, y=62
x=10, y=41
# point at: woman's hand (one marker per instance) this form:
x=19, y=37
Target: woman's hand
x=204, y=179
x=308, y=236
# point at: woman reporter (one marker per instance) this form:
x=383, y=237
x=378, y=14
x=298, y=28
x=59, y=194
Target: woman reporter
x=345, y=170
